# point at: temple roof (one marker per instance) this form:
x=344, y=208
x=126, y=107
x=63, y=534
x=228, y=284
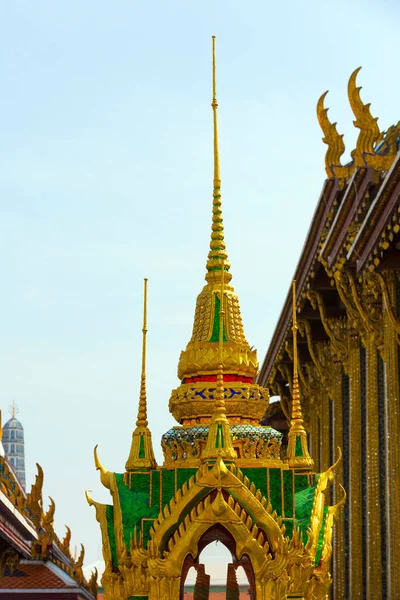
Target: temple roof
x=39, y=577
x=13, y=423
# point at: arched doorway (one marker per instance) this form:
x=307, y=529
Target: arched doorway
x=216, y=569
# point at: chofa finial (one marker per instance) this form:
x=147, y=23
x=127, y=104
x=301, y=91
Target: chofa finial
x=331, y=137
x=366, y=123
x=374, y=149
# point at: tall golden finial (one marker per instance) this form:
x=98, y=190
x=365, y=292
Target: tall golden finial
x=142, y=454
x=217, y=252
x=297, y=453
x=219, y=440
x=214, y=104
x=142, y=409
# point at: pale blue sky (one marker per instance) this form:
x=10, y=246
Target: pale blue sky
x=106, y=176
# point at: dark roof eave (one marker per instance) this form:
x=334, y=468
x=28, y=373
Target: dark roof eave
x=377, y=217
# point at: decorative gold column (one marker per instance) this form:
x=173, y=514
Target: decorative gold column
x=355, y=491
x=393, y=440
x=338, y=546
x=373, y=542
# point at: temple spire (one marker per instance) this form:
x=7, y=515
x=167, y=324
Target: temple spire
x=297, y=453
x=219, y=440
x=142, y=454
x=217, y=252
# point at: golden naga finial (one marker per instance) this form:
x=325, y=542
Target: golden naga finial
x=219, y=440
x=89, y=499
x=297, y=453
x=34, y=501
x=141, y=455
x=105, y=476
x=331, y=137
x=217, y=252
x=66, y=541
x=367, y=124
x=48, y=517
x=79, y=562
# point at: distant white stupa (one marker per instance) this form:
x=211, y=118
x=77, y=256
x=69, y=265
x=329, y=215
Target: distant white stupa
x=14, y=445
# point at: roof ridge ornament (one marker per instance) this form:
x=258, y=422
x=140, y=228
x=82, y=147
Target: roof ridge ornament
x=374, y=148
x=297, y=452
x=141, y=455
x=365, y=122
x=332, y=138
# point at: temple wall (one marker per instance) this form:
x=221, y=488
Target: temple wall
x=351, y=400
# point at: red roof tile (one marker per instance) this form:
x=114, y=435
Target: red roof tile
x=33, y=576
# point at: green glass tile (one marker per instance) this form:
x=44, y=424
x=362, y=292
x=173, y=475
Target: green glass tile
x=321, y=538
x=303, y=503
x=289, y=527
x=258, y=477
x=300, y=482
x=288, y=493
x=140, y=482
x=141, y=448
x=299, y=449
x=275, y=489
x=215, y=332
x=147, y=525
x=183, y=475
x=168, y=485
x=135, y=504
x=155, y=488
x=111, y=534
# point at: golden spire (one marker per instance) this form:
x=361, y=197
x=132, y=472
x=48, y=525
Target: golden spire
x=217, y=252
x=219, y=440
x=142, y=454
x=297, y=453
x=142, y=409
